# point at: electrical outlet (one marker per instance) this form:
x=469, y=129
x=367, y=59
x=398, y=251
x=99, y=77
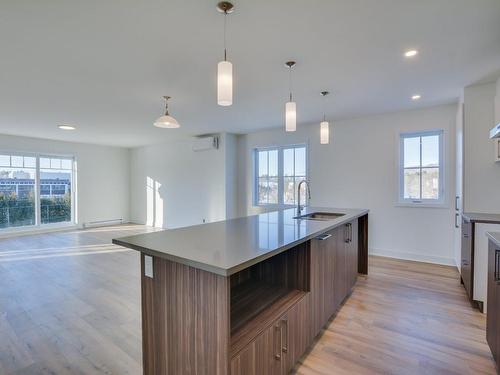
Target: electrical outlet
x=148, y=266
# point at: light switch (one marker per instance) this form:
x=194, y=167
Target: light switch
x=148, y=266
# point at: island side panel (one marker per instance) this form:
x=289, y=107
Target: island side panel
x=185, y=320
x=363, y=244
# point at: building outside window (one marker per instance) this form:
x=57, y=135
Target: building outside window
x=421, y=175
x=35, y=190
x=278, y=171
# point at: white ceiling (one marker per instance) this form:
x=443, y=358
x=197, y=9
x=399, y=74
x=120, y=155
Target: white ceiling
x=104, y=65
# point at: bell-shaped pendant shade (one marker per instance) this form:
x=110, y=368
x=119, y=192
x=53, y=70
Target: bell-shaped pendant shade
x=290, y=117
x=225, y=83
x=324, y=133
x=166, y=121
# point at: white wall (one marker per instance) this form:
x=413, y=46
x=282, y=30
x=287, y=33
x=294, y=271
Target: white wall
x=231, y=169
x=481, y=172
x=173, y=186
x=103, y=174
x=358, y=169
x=497, y=103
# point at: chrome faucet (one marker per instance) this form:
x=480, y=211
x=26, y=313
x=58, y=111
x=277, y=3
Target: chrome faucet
x=308, y=194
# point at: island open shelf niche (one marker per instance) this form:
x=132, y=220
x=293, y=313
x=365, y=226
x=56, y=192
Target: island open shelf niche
x=263, y=292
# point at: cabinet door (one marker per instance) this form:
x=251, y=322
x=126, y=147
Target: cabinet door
x=262, y=356
x=295, y=334
x=323, y=250
x=340, y=266
x=352, y=255
x=492, y=324
x=465, y=267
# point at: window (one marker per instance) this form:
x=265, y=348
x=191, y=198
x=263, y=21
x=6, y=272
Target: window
x=421, y=177
x=278, y=173
x=35, y=190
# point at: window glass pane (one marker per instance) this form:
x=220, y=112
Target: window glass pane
x=411, y=152
x=262, y=191
x=29, y=162
x=430, y=151
x=55, y=193
x=66, y=164
x=273, y=190
x=412, y=183
x=55, y=163
x=288, y=167
x=273, y=163
x=262, y=163
x=17, y=196
x=5, y=160
x=44, y=163
x=300, y=161
x=289, y=190
x=17, y=161
x=430, y=183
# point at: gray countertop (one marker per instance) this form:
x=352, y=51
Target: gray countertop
x=226, y=247
x=481, y=218
x=495, y=237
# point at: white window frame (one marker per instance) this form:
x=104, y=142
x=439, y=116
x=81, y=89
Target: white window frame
x=38, y=220
x=281, y=176
x=401, y=200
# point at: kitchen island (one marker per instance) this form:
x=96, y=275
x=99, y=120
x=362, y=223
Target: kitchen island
x=246, y=295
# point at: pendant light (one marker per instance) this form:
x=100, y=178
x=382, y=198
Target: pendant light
x=290, y=106
x=324, y=126
x=225, y=68
x=166, y=121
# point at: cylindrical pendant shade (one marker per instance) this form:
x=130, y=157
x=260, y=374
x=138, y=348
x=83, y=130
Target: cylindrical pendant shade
x=225, y=83
x=324, y=133
x=290, y=117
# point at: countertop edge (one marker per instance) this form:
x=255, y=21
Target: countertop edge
x=226, y=272
x=472, y=218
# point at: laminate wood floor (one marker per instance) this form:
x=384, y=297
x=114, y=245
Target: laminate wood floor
x=405, y=318
x=70, y=304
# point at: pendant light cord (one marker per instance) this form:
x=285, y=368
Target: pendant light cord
x=225, y=21
x=290, y=81
x=324, y=108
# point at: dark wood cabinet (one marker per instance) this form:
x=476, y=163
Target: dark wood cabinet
x=466, y=270
x=352, y=255
x=323, y=254
x=260, y=356
x=296, y=335
x=340, y=269
x=493, y=307
x=334, y=271
x=276, y=350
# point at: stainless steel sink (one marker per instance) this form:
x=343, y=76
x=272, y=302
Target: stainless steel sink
x=320, y=216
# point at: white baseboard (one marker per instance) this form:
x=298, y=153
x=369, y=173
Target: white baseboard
x=413, y=256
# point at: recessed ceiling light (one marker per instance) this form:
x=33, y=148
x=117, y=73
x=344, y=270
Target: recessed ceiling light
x=415, y=97
x=411, y=53
x=66, y=127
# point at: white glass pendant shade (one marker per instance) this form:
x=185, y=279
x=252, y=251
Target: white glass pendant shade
x=225, y=83
x=324, y=133
x=166, y=121
x=290, y=117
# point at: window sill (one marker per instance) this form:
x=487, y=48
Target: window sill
x=422, y=205
x=44, y=228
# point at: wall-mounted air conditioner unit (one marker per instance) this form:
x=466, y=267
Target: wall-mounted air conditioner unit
x=206, y=143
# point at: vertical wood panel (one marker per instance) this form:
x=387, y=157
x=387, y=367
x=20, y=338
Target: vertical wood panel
x=185, y=320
